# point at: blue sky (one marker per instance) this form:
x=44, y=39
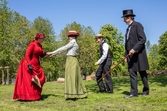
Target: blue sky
x=96, y=13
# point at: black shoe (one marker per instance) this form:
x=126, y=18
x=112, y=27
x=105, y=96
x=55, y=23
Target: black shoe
x=110, y=92
x=101, y=91
x=41, y=99
x=73, y=99
x=130, y=96
x=84, y=97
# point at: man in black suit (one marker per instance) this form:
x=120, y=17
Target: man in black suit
x=135, y=46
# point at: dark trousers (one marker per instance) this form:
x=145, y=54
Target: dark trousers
x=133, y=81
x=103, y=69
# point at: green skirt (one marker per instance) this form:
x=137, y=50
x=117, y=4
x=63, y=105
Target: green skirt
x=74, y=87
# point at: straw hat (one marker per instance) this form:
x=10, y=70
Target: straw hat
x=73, y=33
x=99, y=36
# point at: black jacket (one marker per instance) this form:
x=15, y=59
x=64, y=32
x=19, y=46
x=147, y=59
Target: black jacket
x=136, y=41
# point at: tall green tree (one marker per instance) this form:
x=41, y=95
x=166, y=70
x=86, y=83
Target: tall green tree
x=87, y=53
x=163, y=51
x=45, y=26
x=148, y=47
x=13, y=36
x=4, y=32
x=153, y=58
x=19, y=38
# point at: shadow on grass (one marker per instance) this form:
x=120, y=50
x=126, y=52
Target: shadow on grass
x=92, y=87
x=161, y=79
x=117, y=82
x=125, y=93
x=45, y=96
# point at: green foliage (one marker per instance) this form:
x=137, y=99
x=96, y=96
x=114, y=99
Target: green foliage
x=163, y=51
x=4, y=32
x=19, y=38
x=13, y=31
x=148, y=46
x=153, y=58
x=17, y=32
x=87, y=53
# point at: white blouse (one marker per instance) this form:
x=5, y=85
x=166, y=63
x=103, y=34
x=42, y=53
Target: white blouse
x=72, y=48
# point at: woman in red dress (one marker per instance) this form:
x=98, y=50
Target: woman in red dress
x=29, y=69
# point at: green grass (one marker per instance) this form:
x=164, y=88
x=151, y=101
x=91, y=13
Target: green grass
x=54, y=98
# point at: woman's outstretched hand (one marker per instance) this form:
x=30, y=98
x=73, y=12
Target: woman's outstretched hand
x=49, y=54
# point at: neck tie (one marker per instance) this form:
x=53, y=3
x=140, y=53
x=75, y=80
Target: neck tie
x=127, y=32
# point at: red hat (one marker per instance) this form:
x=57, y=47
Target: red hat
x=75, y=33
x=39, y=36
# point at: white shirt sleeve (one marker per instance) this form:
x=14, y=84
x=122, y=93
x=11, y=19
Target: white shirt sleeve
x=105, y=52
x=61, y=49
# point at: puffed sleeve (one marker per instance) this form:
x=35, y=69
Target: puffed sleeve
x=43, y=53
x=59, y=50
x=29, y=53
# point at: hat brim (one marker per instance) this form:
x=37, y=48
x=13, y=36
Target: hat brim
x=73, y=35
x=133, y=15
x=99, y=37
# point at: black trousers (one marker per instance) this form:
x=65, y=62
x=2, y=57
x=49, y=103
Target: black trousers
x=103, y=69
x=133, y=81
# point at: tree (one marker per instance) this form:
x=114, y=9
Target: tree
x=153, y=58
x=87, y=53
x=4, y=32
x=49, y=64
x=19, y=38
x=148, y=46
x=163, y=51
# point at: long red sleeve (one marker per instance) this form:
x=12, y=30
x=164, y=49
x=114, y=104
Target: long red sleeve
x=29, y=53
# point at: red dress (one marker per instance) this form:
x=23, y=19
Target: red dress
x=25, y=89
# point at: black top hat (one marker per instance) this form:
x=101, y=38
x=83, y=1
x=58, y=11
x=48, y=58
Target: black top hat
x=128, y=13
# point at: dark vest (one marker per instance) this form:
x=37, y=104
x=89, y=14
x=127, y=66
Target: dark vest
x=108, y=54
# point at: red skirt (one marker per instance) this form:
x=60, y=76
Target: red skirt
x=25, y=89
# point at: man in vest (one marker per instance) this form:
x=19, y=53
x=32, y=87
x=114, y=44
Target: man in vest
x=104, y=63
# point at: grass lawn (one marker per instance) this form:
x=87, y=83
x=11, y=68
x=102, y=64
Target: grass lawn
x=54, y=98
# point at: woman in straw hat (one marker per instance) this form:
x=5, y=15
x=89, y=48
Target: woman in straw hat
x=30, y=75
x=74, y=87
